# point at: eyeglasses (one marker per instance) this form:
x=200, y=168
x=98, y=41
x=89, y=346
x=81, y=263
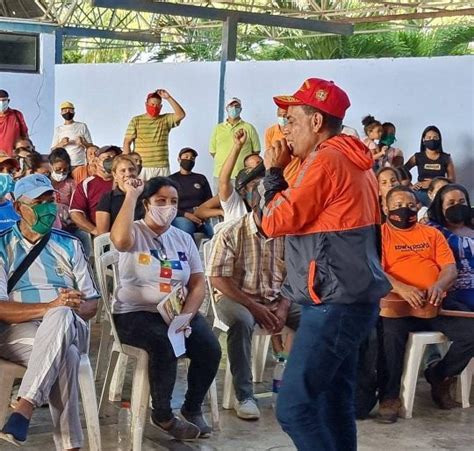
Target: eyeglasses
x=161, y=251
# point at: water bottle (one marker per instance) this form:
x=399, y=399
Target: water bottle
x=124, y=426
x=277, y=379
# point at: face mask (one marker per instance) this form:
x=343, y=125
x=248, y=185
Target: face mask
x=388, y=140
x=45, y=216
x=234, y=112
x=4, y=105
x=67, y=116
x=153, y=110
x=457, y=214
x=58, y=176
x=282, y=121
x=107, y=165
x=432, y=144
x=402, y=218
x=7, y=184
x=187, y=165
x=163, y=215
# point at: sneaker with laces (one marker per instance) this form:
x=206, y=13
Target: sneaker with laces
x=388, y=411
x=247, y=409
x=180, y=429
x=197, y=418
x=15, y=430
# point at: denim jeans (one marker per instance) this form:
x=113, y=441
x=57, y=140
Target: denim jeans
x=190, y=227
x=315, y=405
x=148, y=331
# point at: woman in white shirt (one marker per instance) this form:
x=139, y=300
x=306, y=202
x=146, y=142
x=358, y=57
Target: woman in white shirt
x=153, y=257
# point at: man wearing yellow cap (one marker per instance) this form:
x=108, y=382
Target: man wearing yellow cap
x=72, y=136
x=330, y=217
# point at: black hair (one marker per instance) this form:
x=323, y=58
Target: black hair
x=389, y=168
x=331, y=123
x=399, y=189
x=405, y=174
x=435, y=212
x=253, y=154
x=59, y=154
x=434, y=181
x=431, y=128
x=369, y=122
x=153, y=185
x=4, y=93
x=389, y=124
x=23, y=138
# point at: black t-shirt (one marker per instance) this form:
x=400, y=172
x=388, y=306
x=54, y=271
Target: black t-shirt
x=428, y=168
x=111, y=203
x=193, y=190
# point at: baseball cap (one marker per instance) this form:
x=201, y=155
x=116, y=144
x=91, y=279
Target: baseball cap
x=32, y=186
x=186, y=150
x=318, y=93
x=104, y=149
x=5, y=158
x=246, y=175
x=66, y=105
x=232, y=100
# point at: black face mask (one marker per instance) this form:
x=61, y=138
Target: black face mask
x=432, y=144
x=402, y=218
x=187, y=165
x=107, y=165
x=457, y=214
x=67, y=116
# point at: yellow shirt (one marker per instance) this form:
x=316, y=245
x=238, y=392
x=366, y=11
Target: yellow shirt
x=151, y=138
x=222, y=141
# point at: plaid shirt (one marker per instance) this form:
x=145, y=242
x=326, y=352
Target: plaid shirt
x=254, y=262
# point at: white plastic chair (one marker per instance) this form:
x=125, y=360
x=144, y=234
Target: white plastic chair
x=415, y=348
x=140, y=384
x=260, y=343
x=10, y=371
x=464, y=386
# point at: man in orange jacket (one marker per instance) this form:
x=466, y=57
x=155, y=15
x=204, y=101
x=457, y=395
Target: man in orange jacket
x=330, y=217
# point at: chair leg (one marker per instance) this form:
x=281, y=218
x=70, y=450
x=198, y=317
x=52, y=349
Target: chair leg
x=413, y=357
x=89, y=403
x=98, y=315
x=214, y=406
x=8, y=380
x=118, y=379
x=228, y=398
x=114, y=355
x=105, y=339
x=463, y=391
x=259, y=356
x=139, y=404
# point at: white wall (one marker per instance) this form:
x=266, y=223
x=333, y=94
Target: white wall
x=33, y=94
x=412, y=93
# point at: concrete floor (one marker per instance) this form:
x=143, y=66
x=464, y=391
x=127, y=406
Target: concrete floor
x=429, y=429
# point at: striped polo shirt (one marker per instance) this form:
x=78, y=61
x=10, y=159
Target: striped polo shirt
x=61, y=264
x=151, y=138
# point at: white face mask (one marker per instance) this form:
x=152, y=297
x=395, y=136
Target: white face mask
x=4, y=105
x=163, y=215
x=58, y=176
x=377, y=141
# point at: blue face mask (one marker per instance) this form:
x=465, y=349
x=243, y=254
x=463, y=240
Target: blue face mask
x=7, y=184
x=282, y=121
x=234, y=112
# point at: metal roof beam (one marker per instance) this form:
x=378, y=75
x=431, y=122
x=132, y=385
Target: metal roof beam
x=109, y=34
x=269, y=20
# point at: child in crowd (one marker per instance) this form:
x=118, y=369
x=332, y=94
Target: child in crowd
x=393, y=156
x=436, y=184
x=373, y=130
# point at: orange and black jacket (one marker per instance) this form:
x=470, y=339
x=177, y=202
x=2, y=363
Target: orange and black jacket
x=330, y=216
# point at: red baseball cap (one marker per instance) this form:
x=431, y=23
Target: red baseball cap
x=321, y=94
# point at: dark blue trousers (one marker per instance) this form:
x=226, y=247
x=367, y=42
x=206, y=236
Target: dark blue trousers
x=316, y=401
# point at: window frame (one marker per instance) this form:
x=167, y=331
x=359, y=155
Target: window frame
x=37, y=41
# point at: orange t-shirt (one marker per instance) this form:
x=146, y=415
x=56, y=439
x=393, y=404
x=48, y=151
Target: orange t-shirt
x=272, y=135
x=80, y=173
x=415, y=256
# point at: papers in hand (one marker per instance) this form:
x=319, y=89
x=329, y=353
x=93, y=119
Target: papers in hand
x=173, y=303
x=177, y=338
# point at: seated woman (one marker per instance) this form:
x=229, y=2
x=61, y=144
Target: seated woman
x=387, y=179
x=450, y=212
x=153, y=254
x=63, y=183
x=193, y=191
x=436, y=184
x=431, y=162
x=123, y=169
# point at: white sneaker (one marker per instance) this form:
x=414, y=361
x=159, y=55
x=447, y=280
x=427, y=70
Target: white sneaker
x=247, y=409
